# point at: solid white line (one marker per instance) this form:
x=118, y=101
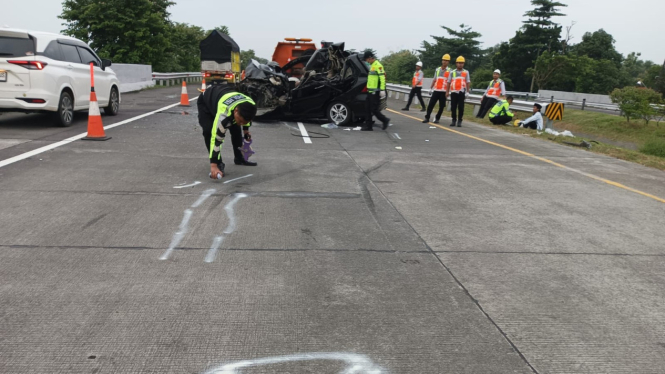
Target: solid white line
x=304, y=134
x=233, y=180
x=189, y=185
x=49, y=147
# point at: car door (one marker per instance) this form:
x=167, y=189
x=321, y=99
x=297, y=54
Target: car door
x=80, y=75
x=102, y=78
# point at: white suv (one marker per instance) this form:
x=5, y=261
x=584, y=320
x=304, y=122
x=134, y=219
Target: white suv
x=43, y=72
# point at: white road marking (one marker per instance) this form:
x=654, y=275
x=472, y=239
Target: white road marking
x=355, y=363
x=217, y=242
x=177, y=237
x=49, y=147
x=304, y=134
x=233, y=180
x=204, y=196
x=188, y=185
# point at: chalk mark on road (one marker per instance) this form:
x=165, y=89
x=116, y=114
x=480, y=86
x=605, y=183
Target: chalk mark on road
x=188, y=185
x=230, y=228
x=177, y=237
x=233, y=180
x=204, y=196
x=355, y=363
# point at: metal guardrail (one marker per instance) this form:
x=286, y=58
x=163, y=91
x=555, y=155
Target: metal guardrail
x=517, y=105
x=522, y=106
x=168, y=79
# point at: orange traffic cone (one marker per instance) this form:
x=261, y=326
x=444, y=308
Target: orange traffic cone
x=184, y=99
x=95, y=126
x=203, y=86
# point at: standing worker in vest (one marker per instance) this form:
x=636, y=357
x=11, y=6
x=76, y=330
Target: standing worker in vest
x=439, y=88
x=459, y=82
x=221, y=108
x=376, y=91
x=495, y=91
x=501, y=114
x=417, y=87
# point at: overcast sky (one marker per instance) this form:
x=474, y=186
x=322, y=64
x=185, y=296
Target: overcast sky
x=387, y=25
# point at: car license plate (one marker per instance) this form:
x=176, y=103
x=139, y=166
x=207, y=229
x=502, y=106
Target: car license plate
x=3, y=76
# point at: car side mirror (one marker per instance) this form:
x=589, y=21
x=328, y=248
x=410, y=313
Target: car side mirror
x=105, y=64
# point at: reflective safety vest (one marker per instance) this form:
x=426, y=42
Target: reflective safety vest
x=502, y=108
x=376, y=78
x=494, y=89
x=225, y=107
x=458, y=82
x=441, y=79
x=416, y=75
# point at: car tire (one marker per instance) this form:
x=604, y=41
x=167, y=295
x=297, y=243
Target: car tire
x=65, y=115
x=339, y=113
x=114, y=103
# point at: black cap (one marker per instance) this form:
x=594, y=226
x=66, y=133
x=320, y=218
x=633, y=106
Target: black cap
x=368, y=54
x=538, y=106
x=510, y=97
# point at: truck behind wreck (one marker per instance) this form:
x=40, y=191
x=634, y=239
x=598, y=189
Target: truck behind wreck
x=220, y=58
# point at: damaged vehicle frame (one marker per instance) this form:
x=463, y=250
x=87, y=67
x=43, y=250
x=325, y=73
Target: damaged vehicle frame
x=333, y=86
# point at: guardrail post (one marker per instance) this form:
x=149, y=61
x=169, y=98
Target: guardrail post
x=583, y=103
x=552, y=99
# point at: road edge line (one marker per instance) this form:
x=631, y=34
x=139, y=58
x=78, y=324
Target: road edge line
x=600, y=179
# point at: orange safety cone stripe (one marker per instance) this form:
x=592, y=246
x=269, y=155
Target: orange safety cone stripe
x=184, y=98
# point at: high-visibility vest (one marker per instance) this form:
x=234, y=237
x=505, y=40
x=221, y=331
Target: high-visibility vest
x=441, y=79
x=458, y=82
x=502, y=108
x=494, y=89
x=376, y=78
x=414, y=81
x=225, y=107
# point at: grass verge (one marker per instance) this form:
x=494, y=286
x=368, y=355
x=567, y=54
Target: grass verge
x=650, y=139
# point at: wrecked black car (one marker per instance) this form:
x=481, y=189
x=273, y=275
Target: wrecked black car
x=332, y=85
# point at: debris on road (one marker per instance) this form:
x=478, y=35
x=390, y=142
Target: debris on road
x=330, y=126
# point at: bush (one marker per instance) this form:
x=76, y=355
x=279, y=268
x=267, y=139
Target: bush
x=636, y=102
x=654, y=147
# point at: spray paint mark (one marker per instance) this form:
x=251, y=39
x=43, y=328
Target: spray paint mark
x=355, y=363
x=396, y=135
x=230, y=228
x=204, y=196
x=177, y=237
x=188, y=185
x=233, y=180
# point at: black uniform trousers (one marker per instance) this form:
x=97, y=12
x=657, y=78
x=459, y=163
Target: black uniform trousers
x=372, y=104
x=486, y=104
x=207, y=120
x=416, y=91
x=440, y=97
x=501, y=120
x=457, y=105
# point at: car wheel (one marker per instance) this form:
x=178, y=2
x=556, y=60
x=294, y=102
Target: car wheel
x=114, y=103
x=339, y=113
x=65, y=114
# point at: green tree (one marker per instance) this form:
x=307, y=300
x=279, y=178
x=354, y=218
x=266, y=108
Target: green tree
x=538, y=34
x=636, y=102
x=650, y=78
x=223, y=29
x=598, y=45
x=128, y=31
x=247, y=56
x=597, y=76
x=400, y=66
x=660, y=81
x=183, y=53
x=549, y=67
x=462, y=42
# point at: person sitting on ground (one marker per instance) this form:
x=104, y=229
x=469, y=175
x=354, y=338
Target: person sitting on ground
x=501, y=114
x=535, y=122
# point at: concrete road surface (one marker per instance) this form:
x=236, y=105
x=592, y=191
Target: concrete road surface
x=419, y=249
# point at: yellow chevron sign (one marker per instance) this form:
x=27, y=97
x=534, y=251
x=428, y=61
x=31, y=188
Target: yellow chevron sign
x=554, y=111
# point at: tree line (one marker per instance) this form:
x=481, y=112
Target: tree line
x=541, y=55
x=139, y=32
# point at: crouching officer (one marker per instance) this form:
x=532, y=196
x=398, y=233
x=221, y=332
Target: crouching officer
x=221, y=108
x=501, y=114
